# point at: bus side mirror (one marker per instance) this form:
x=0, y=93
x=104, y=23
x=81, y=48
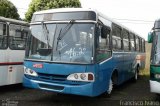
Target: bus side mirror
x=150, y=37
x=104, y=32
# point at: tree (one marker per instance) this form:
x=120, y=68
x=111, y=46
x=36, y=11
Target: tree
x=38, y=5
x=8, y=10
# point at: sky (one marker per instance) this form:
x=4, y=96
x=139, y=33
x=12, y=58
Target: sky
x=137, y=15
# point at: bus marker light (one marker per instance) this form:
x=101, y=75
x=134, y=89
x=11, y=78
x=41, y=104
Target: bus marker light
x=90, y=77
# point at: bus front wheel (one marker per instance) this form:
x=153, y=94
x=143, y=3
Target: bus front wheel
x=109, y=91
x=110, y=88
x=112, y=83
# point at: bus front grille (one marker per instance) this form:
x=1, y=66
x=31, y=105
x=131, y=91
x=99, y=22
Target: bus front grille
x=52, y=77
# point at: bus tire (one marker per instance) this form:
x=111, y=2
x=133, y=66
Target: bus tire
x=109, y=91
x=135, y=78
x=110, y=88
x=112, y=83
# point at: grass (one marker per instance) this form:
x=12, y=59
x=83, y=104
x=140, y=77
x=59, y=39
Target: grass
x=145, y=73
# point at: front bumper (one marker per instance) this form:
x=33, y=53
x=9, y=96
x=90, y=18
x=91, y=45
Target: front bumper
x=85, y=89
x=154, y=86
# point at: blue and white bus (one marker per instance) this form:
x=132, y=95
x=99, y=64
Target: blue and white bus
x=80, y=51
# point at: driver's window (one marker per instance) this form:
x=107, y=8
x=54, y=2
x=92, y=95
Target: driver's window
x=103, y=43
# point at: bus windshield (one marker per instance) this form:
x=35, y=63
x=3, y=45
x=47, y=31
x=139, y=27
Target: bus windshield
x=60, y=43
x=155, y=56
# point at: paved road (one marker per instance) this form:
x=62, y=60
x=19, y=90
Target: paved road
x=129, y=92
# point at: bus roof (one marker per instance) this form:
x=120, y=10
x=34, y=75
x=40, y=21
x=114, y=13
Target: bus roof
x=63, y=10
x=80, y=10
x=13, y=20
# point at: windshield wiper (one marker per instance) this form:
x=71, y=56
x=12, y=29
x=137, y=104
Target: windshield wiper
x=46, y=33
x=63, y=32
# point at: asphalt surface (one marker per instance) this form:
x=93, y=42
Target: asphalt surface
x=129, y=93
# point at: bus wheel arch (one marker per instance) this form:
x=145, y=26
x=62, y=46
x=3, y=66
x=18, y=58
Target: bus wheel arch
x=114, y=77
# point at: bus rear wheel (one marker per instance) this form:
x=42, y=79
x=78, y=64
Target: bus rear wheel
x=135, y=78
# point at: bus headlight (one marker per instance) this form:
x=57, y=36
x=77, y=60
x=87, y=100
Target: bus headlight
x=85, y=77
x=76, y=76
x=30, y=72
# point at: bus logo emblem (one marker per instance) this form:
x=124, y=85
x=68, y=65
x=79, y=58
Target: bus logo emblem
x=38, y=65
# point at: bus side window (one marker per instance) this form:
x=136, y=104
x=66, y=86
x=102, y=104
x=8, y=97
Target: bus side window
x=137, y=44
x=116, y=38
x=140, y=44
x=125, y=40
x=132, y=42
x=3, y=36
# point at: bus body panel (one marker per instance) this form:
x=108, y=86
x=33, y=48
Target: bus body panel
x=53, y=68
x=99, y=86
x=11, y=66
x=86, y=89
x=154, y=86
x=59, y=75
x=154, y=83
x=3, y=73
x=101, y=72
x=16, y=72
